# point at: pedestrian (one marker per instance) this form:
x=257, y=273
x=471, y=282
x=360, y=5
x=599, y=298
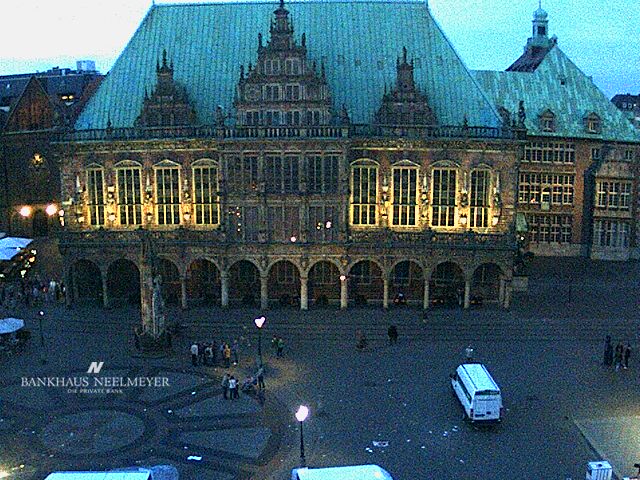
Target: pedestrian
x=626, y=355
x=468, y=353
x=225, y=385
x=201, y=353
x=280, y=347
x=194, y=354
x=608, y=352
x=260, y=377
x=227, y=356
x=234, y=350
x=617, y=358
x=392, y=331
x=208, y=355
x=260, y=397
x=361, y=340
x=233, y=387
x=274, y=344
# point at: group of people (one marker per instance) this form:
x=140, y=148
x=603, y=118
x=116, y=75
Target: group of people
x=618, y=357
x=277, y=344
x=208, y=353
x=30, y=292
x=251, y=385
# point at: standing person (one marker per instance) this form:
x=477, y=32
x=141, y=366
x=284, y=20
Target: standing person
x=608, y=351
x=208, y=355
x=392, y=332
x=234, y=350
x=233, y=387
x=280, y=347
x=225, y=385
x=227, y=356
x=468, y=353
x=617, y=357
x=260, y=377
x=274, y=344
x=194, y=354
x=201, y=353
x=626, y=355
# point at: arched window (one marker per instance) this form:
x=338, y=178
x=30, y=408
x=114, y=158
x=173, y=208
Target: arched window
x=547, y=121
x=405, y=194
x=364, y=192
x=167, y=174
x=479, y=199
x=205, y=192
x=443, y=202
x=128, y=177
x=95, y=194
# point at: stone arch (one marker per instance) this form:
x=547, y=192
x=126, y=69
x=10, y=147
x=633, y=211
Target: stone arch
x=406, y=282
x=324, y=283
x=203, y=282
x=244, y=282
x=446, y=284
x=86, y=279
x=485, y=284
x=284, y=283
x=170, y=274
x=40, y=223
x=365, y=282
x=123, y=282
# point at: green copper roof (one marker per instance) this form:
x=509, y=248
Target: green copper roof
x=358, y=42
x=558, y=85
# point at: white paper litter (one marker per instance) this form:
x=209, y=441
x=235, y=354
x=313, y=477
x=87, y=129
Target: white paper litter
x=381, y=444
x=194, y=457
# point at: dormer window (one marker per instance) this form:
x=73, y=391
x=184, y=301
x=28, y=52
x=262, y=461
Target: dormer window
x=548, y=121
x=592, y=123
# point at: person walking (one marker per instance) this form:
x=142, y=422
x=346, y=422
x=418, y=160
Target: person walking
x=234, y=349
x=227, y=356
x=274, y=344
x=225, y=385
x=280, y=347
x=233, y=387
x=260, y=377
x=201, y=353
x=626, y=355
x=392, y=332
x=608, y=352
x=468, y=353
x=194, y=354
x=617, y=357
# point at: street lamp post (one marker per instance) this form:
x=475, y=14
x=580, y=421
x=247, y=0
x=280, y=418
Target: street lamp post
x=259, y=323
x=301, y=415
x=43, y=359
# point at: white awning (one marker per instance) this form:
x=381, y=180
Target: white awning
x=11, y=246
x=10, y=325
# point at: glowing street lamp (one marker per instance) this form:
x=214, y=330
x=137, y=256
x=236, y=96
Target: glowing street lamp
x=301, y=416
x=25, y=211
x=51, y=209
x=259, y=323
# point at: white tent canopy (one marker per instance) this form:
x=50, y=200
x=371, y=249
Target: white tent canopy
x=10, y=325
x=11, y=246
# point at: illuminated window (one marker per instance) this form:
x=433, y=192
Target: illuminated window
x=129, y=195
x=168, y=195
x=550, y=152
x=479, y=199
x=405, y=196
x=444, y=198
x=537, y=188
x=364, y=193
x=205, y=193
x=95, y=196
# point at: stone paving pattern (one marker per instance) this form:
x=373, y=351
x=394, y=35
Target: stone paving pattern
x=562, y=405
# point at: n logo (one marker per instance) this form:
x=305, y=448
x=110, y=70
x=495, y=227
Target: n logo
x=95, y=367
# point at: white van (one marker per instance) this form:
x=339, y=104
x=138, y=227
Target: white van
x=356, y=472
x=478, y=392
x=140, y=474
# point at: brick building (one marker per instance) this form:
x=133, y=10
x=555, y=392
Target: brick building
x=33, y=107
x=264, y=163
x=577, y=180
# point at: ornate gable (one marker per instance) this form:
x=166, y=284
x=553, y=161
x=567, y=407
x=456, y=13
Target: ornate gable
x=284, y=88
x=169, y=104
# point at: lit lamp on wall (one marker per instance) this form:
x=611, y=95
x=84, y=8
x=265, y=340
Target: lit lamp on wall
x=25, y=211
x=187, y=215
x=51, y=209
x=495, y=219
x=111, y=217
x=385, y=195
x=463, y=220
